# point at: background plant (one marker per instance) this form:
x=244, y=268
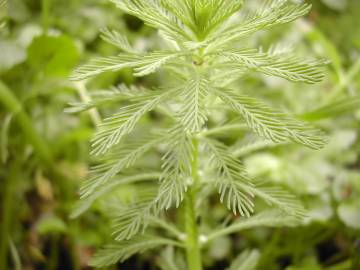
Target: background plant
x=328, y=190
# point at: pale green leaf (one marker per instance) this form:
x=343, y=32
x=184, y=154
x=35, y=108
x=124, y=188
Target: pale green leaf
x=121, y=251
x=113, y=96
x=100, y=65
x=269, y=218
x=154, y=15
x=231, y=179
x=143, y=64
x=335, y=109
x=271, y=124
x=276, y=13
x=288, y=67
x=85, y=203
x=193, y=113
x=279, y=198
x=114, y=128
x=118, y=160
x=176, y=168
x=153, y=61
x=115, y=38
x=135, y=218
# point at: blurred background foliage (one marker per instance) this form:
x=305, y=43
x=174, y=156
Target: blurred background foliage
x=44, y=151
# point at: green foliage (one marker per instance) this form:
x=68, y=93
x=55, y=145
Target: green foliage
x=247, y=260
x=3, y=5
x=120, y=251
x=203, y=43
x=270, y=124
x=57, y=59
x=210, y=147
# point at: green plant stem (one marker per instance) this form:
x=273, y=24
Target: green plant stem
x=344, y=82
x=54, y=253
x=167, y=226
x=4, y=225
x=45, y=15
x=192, y=237
x=222, y=129
x=94, y=113
x=15, y=255
x=11, y=104
x=8, y=191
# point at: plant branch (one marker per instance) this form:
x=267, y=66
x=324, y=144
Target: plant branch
x=221, y=129
x=94, y=113
x=168, y=227
x=192, y=237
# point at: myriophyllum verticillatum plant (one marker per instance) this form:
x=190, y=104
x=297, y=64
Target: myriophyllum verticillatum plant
x=202, y=56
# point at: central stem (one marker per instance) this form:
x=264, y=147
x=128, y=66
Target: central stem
x=192, y=237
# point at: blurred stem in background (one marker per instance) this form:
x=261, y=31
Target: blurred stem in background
x=7, y=195
x=345, y=80
x=46, y=6
x=13, y=106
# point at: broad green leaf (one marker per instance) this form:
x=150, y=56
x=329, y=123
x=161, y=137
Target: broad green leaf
x=349, y=213
x=247, y=260
x=51, y=224
x=339, y=5
x=53, y=55
x=11, y=55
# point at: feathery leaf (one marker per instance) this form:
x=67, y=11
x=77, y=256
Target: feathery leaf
x=154, y=15
x=116, y=94
x=279, y=12
x=287, y=67
x=153, y=61
x=280, y=198
x=85, y=203
x=119, y=160
x=268, y=218
x=232, y=179
x=270, y=123
x=100, y=65
x=121, y=251
x=112, y=130
x=143, y=64
x=115, y=38
x=135, y=218
x=193, y=113
x=176, y=168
